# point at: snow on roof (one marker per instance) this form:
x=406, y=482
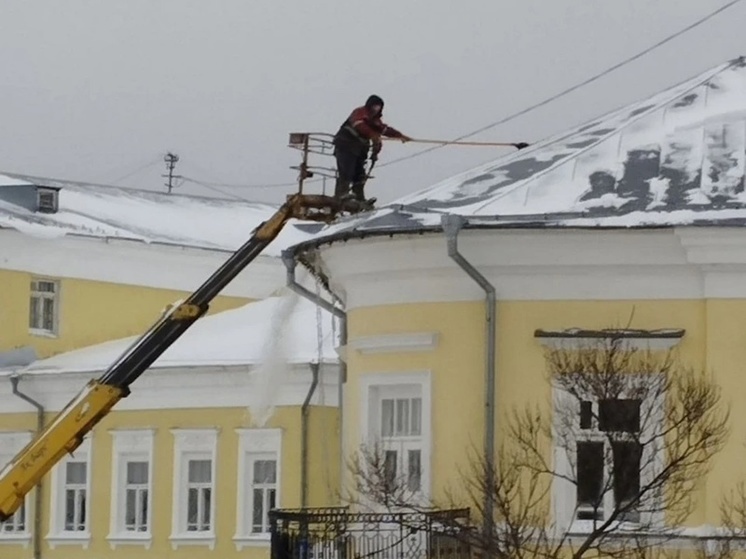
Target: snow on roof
x=107, y=211
x=248, y=335
x=676, y=158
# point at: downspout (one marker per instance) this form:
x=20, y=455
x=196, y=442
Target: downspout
x=452, y=224
x=290, y=264
x=14, y=379
x=304, y=436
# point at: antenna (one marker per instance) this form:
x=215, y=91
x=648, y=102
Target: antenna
x=170, y=159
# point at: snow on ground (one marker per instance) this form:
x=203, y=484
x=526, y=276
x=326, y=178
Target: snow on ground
x=104, y=211
x=240, y=336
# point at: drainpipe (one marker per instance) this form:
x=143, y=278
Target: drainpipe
x=14, y=379
x=452, y=224
x=290, y=265
x=304, y=436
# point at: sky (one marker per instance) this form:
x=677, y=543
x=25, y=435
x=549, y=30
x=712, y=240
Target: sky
x=101, y=91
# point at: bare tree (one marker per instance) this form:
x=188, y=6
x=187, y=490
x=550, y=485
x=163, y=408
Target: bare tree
x=612, y=470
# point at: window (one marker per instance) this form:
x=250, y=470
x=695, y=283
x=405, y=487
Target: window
x=71, y=488
x=259, y=470
x=43, y=307
x=131, y=487
x=199, y=495
x=17, y=528
x=607, y=458
x=47, y=200
x=194, y=487
x=599, y=449
x=401, y=437
x=397, y=424
x=76, y=496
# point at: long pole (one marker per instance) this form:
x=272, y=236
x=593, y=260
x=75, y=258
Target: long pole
x=518, y=145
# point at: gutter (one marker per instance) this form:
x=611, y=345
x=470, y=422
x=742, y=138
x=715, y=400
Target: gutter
x=14, y=379
x=304, y=411
x=452, y=225
x=290, y=264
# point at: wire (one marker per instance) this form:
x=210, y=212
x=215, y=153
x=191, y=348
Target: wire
x=141, y=168
x=574, y=87
x=530, y=108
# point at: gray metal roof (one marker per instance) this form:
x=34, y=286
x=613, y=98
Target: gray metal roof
x=676, y=158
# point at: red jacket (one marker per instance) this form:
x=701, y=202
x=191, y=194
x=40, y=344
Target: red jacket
x=369, y=127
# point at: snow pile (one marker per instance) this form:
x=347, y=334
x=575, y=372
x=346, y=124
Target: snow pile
x=105, y=211
x=237, y=337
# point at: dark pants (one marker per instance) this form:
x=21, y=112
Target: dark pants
x=350, y=170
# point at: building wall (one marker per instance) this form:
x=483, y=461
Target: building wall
x=455, y=363
x=90, y=312
x=415, y=316
x=323, y=454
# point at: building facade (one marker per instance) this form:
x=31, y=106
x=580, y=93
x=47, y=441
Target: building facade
x=453, y=295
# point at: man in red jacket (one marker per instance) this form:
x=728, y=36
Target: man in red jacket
x=362, y=129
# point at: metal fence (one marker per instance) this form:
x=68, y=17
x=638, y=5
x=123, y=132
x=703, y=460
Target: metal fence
x=337, y=533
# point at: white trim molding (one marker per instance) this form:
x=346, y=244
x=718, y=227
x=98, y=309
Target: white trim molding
x=395, y=343
x=133, y=262
x=192, y=444
x=10, y=443
x=255, y=444
x=130, y=445
x=230, y=386
x=542, y=265
x=58, y=535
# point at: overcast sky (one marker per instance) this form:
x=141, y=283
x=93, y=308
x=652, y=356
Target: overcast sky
x=95, y=90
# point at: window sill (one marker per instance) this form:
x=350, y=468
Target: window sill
x=144, y=539
x=10, y=538
x=42, y=333
x=74, y=538
x=255, y=540
x=585, y=527
x=206, y=539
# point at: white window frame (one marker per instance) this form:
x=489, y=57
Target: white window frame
x=43, y=332
x=564, y=492
x=253, y=445
x=192, y=444
x=135, y=445
x=57, y=534
x=10, y=444
x=378, y=386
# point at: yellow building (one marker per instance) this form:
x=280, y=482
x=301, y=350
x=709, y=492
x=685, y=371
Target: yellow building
x=237, y=417
x=85, y=264
x=632, y=221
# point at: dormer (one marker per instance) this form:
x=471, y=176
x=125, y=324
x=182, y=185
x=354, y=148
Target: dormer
x=32, y=197
x=47, y=199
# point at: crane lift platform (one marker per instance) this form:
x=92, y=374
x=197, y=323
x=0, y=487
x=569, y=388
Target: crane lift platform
x=67, y=430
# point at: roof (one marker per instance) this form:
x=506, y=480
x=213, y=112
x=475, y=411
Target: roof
x=282, y=329
x=106, y=211
x=676, y=158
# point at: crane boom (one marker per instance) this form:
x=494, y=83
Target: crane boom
x=98, y=397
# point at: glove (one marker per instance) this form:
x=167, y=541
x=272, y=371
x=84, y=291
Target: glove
x=404, y=139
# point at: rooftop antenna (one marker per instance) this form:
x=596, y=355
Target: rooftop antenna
x=170, y=159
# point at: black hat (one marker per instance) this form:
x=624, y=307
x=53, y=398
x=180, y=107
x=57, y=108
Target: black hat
x=374, y=100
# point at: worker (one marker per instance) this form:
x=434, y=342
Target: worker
x=352, y=142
